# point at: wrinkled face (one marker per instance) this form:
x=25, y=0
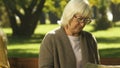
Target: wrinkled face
x=77, y=23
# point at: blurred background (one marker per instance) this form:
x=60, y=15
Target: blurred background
x=25, y=23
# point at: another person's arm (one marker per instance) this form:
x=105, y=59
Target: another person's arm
x=3, y=52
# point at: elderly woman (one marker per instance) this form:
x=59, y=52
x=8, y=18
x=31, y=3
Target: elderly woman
x=69, y=46
x=3, y=51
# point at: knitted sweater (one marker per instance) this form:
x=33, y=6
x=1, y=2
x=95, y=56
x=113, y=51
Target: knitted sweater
x=56, y=50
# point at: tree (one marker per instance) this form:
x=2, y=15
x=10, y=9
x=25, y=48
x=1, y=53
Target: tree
x=53, y=9
x=4, y=21
x=24, y=15
x=101, y=19
x=115, y=5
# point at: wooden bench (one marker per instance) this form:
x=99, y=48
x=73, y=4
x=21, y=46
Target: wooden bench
x=33, y=62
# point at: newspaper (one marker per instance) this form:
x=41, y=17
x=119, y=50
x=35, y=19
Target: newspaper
x=91, y=65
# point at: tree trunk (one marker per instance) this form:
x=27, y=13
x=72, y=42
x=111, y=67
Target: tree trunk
x=53, y=18
x=28, y=20
x=115, y=12
x=42, y=18
x=102, y=22
x=27, y=27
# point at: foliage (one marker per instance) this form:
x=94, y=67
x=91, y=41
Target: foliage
x=56, y=6
x=94, y=2
x=4, y=21
x=24, y=14
x=102, y=7
x=116, y=1
x=53, y=10
x=99, y=3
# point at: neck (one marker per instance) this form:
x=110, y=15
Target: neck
x=68, y=32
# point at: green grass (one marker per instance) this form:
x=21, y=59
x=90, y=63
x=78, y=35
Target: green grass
x=27, y=47
x=108, y=41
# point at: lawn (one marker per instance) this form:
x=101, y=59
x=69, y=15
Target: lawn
x=108, y=41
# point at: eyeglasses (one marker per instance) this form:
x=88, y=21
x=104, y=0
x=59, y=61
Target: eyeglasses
x=83, y=20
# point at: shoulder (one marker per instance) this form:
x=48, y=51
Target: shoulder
x=85, y=33
x=51, y=35
x=52, y=32
x=88, y=35
x=55, y=33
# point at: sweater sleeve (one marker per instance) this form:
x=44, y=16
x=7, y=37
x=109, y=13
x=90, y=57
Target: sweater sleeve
x=46, y=53
x=95, y=48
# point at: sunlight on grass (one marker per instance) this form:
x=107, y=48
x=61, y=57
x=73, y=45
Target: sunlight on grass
x=88, y=27
x=43, y=29
x=107, y=46
x=19, y=46
x=7, y=30
x=23, y=50
x=112, y=32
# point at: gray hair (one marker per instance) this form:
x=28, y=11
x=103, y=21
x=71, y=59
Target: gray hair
x=75, y=7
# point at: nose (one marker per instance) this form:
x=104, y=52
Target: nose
x=82, y=24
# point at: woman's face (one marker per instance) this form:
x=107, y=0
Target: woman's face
x=77, y=23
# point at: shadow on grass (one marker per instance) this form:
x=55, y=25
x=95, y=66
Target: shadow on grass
x=18, y=52
x=110, y=53
x=37, y=38
x=114, y=40
x=21, y=53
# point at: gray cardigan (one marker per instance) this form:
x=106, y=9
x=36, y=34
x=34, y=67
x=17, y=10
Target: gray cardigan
x=56, y=50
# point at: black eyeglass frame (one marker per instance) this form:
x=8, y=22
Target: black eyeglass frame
x=83, y=20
